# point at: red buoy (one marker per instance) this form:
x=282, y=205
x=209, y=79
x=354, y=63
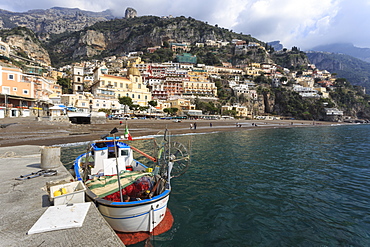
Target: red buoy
x=136, y=237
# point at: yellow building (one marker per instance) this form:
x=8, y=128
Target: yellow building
x=112, y=87
x=181, y=104
x=199, y=88
x=322, y=90
x=254, y=69
x=199, y=84
x=198, y=75
x=55, y=74
x=241, y=111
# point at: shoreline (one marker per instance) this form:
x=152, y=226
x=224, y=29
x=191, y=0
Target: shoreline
x=28, y=131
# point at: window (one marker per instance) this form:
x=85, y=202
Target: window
x=121, y=85
x=126, y=86
x=115, y=84
x=139, y=86
x=97, y=105
x=83, y=103
x=25, y=91
x=10, y=77
x=104, y=105
x=124, y=152
x=6, y=90
x=14, y=89
x=133, y=96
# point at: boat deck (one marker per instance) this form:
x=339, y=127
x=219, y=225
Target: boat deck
x=24, y=201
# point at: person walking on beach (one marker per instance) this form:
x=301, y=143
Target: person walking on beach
x=195, y=126
x=191, y=126
x=210, y=124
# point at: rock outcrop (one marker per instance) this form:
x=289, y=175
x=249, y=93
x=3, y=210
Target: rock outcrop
x=26, y=45
x=55, y=20
x=130, y=13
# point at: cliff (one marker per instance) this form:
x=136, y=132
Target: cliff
x=119, y=36
x=353, y=69
x=52, y=21
x=25, y=44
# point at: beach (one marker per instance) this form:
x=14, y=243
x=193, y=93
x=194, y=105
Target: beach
x=29, y=131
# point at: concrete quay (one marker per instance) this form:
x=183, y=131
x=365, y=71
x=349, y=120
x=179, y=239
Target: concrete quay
x=24, y=201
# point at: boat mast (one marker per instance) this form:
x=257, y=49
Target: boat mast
x=118, y=174
x=115, y=154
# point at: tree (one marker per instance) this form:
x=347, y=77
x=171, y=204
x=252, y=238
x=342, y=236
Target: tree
x=106, y=111
x=153, y=103
x=171, y=111
x=125, y=101
x=66, y=84
x=230, y=113
x=166, y=44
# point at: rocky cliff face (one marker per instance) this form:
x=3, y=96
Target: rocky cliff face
x=353, y=69
x=54, y=20
x=25, y=44
x=119, y=36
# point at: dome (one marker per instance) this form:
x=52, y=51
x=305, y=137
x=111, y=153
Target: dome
x=133, y=71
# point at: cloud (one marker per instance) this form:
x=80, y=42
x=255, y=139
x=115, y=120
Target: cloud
x=294, y=22
x=289, y=21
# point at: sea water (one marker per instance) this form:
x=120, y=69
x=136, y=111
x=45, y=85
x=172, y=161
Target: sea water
x=271, y=187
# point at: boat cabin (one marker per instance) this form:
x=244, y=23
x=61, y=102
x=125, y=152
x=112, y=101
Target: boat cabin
x=105, y=157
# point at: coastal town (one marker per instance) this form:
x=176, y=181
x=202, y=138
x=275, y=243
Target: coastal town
x=119, y=129
x=156, y=90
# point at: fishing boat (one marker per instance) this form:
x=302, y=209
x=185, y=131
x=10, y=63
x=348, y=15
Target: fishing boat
x=130, y=195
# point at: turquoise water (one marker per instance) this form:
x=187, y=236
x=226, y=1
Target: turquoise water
x=277, y=187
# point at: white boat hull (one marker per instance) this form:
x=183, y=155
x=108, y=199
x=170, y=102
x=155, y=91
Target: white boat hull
x=133, y=217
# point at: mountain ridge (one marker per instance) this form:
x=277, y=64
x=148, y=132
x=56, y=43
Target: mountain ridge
x=345, y=48
x=353, y=69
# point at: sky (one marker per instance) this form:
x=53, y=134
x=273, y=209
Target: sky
x=301, y=23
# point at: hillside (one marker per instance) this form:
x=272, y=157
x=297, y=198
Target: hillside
x=72, y=35
x=54, y=20
x=347, y=49
x=353, y=69
x=119, y=36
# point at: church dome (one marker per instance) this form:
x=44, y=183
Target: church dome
x=133, y=71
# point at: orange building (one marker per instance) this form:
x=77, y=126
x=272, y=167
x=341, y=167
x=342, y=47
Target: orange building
x=16, y=92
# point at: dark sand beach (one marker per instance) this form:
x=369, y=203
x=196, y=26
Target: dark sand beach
x=29, y=131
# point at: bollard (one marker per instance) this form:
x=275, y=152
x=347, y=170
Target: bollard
x=50, y=157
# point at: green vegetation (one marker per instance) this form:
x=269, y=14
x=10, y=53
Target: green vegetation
x=125, y=101
x=171, y=111
x=158, y=56
x=208, y=107
x=66, y=85
x=354, y=70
